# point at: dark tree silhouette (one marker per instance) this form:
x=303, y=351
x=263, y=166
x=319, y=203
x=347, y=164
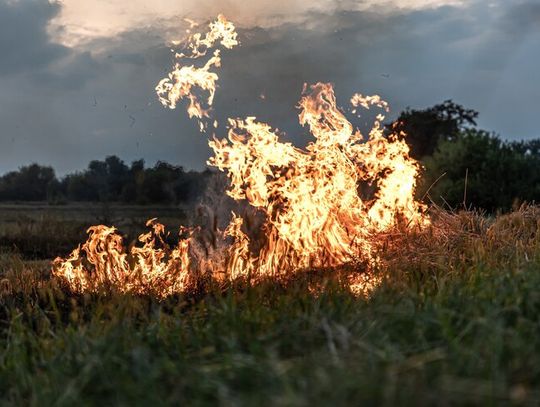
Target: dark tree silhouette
x=425, y=128
x=496, y=174
x=29, y=183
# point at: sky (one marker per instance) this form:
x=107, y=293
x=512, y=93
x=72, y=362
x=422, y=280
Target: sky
x=77, y=77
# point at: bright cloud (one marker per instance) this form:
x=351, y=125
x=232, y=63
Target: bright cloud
x=81, y=22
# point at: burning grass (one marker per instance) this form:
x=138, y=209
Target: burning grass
x=309, y=200
x=451, y=246
x=454, y=320
x=267, y=310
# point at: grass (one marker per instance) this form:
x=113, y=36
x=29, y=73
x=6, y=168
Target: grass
x=41, y=231
x=455, y=321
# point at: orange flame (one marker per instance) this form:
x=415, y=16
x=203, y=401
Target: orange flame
x=179, y=84
x=153, y=268
x=315, y=216
x=316, y=212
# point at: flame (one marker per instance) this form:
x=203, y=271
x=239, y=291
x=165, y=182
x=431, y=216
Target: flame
x=315, y=215
x=152, y=268
x=367, y=101
x=322, y=205
x=180, y=83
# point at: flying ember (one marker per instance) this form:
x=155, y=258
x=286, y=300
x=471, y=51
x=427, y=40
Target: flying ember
x=321, y=206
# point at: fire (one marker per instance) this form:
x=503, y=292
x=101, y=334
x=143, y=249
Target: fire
x=315, y=215
x=181, y=82
x=322, y=205
x=152, y=268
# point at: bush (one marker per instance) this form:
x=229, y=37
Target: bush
x=479, y=169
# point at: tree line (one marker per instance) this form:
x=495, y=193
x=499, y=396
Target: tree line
x=110, y=180
x=464, y=166
x=461, y=166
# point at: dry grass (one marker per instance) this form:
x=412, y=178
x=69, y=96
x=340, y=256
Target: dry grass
x=455, y=242
x=44, y=232
x=455, y=321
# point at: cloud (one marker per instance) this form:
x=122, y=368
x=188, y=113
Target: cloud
x=30, y=53
x=85, y=101
x=24, y=41
x=85, y=21
x=401, y=56
x=522, y=17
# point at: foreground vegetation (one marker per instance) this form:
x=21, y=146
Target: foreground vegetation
x=455, y=321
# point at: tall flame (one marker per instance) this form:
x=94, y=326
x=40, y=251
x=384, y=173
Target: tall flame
x=315, y=215
x=322, y=205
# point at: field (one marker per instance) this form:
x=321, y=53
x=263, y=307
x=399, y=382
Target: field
x=40, y=231
x=454, y=321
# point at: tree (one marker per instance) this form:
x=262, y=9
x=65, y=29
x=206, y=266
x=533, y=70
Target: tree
x=29, y=183
x=158, y=183
x=117, y=176
x=131, y=189
x=103, y=181
x=79, y=188
x=189, y=186
x=425, y=128
x=492, y=174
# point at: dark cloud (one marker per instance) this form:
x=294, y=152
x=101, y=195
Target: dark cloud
x=74, y=106
x=31, y=55
x=521, y=17
x=24, y=42
x=399, y=55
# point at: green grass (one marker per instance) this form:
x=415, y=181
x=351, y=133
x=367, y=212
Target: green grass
x=456, y=321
